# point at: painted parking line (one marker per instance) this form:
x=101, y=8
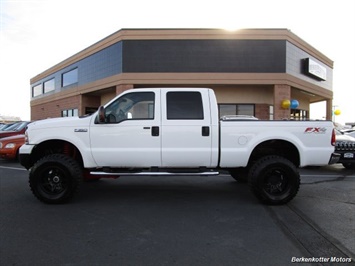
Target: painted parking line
x=331, y=176
x=322, y=175
x=13, y=168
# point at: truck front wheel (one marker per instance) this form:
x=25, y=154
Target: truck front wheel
x=55, y=178
x=274, y=180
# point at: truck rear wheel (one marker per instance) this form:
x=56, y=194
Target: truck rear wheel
x=274, y=180
x=55, y=178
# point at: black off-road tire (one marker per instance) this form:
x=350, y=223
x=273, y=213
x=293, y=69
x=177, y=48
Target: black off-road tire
x=274, y=180
x=55, y=178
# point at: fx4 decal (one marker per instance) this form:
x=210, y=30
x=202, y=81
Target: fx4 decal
x=315, y=130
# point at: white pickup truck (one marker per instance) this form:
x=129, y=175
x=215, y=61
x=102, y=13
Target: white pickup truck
x=172, y=131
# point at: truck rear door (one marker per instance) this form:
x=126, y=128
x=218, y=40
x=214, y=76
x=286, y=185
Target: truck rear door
x=186, y=128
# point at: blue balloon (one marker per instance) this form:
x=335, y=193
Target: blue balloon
x=294, y=104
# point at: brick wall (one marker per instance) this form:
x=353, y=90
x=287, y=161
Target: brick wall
x=89, y=101
x=122, y=88
x=262, y=111
x=281, y=92
x=54, y=108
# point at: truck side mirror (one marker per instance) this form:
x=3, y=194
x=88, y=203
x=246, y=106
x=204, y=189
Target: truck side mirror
x=101, y=115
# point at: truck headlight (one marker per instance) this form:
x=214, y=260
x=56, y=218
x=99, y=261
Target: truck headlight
x=27, y=141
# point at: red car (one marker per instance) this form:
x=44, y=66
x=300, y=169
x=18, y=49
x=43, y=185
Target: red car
x=10, y=146
x=15, y=129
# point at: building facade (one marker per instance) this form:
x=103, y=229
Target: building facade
x=268, y=73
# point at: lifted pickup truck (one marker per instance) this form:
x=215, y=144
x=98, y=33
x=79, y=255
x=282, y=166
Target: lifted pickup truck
x=172, y=131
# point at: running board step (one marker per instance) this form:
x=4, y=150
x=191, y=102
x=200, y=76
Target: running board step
x=155, y=173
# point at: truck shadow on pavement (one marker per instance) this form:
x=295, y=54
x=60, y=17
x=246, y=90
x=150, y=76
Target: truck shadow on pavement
x=178, y=190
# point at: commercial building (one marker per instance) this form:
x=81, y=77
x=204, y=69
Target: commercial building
x=267, y=73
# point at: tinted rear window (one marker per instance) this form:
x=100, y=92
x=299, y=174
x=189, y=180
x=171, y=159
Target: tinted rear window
x=184, y=106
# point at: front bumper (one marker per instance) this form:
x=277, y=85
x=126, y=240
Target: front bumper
x=346, y=156
x=25, y=155
x=25, y=160
x=9, y=155
x=346, y=149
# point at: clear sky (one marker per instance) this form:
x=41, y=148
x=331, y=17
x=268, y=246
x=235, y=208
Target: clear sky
x=37, y=34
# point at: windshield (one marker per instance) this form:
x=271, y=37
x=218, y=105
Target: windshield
x=5, y=126
x=12, y=127
x=338, y=132
x=16, y=127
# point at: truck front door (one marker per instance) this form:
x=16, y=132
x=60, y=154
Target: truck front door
x=130, y=136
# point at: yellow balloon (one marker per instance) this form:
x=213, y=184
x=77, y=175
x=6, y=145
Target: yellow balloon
x=337, y=112
x=285, y=104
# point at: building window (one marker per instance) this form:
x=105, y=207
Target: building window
x=236, y=109
x=90, y=110
x=48, y=85
x=184, y=105
x=271, y=112
x=37, y=90
x=70, y=77
x=297, y=114
x=70, y=112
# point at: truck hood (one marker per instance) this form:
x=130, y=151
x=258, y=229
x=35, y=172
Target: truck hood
x=13, y=138
x=344, y=138
x=60, y=123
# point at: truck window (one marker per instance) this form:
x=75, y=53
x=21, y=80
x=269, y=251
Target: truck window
x=184, y=105
x=131, y=106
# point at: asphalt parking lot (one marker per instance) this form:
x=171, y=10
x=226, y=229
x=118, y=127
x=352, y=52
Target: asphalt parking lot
x=178, y=221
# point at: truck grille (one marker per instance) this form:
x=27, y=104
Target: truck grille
x=345, y=146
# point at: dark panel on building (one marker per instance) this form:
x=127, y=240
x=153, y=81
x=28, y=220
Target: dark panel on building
x=230, y=56
x=104, y=63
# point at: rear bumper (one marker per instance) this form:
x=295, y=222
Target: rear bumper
x=334, y=158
